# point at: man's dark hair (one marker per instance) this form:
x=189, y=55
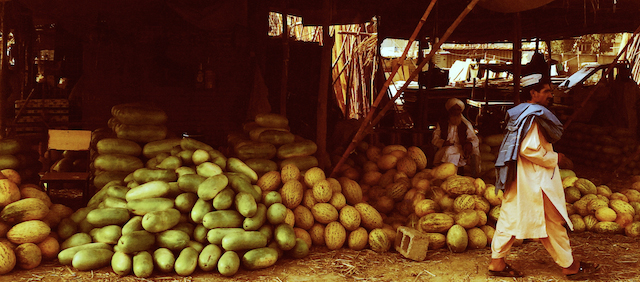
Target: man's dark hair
x=525, y=92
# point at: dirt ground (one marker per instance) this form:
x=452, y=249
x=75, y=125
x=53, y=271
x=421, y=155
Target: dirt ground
x=618, y=255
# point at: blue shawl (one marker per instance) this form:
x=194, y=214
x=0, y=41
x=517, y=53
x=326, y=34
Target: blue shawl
x=520, y=119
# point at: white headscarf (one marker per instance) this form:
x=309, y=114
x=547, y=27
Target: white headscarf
x=453, y=101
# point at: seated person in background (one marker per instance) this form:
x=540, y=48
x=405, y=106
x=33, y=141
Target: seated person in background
x=456, y=140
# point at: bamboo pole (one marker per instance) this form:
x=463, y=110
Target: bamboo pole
x=365, y=126
x=517, y=57
x=284, y=80
x=323, y=91
x=4, y=95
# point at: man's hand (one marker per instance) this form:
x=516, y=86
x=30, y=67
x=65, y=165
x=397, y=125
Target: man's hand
x=560, y=157
x=447, y=143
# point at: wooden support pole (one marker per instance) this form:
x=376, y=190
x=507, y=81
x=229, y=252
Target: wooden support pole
x=4, y=95
x=324, y=87
x=366, y=126
x=284, y=80
x=517, y=57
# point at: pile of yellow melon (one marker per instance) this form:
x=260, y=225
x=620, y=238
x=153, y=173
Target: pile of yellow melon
x=599, y=209
x=450, y=208
x=27, y=219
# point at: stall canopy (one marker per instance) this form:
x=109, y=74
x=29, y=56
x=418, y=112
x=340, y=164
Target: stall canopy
x=489, y=22
x=544, y=19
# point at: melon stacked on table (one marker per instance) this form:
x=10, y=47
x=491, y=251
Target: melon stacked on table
x=18, y=155
x=267, y=145
x=190, y=207
x=119, y=152
x=27, y=218
x=600, y=147
x=599, y=209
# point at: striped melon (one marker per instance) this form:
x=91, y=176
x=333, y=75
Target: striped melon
x=464, y=202
x=435, y=223
x=378, y=241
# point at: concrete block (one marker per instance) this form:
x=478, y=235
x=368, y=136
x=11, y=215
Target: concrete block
x=411, y=243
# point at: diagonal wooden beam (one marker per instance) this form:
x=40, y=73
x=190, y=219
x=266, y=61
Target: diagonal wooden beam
x=366, y=126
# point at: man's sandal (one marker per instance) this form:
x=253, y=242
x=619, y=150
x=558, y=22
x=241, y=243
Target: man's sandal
x=584, y=272
x=507, y=271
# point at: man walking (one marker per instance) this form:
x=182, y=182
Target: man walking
x=534, y=203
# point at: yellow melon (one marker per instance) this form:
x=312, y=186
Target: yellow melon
x=572, y=194
x=578, y=223
x=605, y=227
x=477, y=238
x=7, y=259
x=9, y=192
x=334, y=235
x=594, y=205
x=292, y=192
x=618, y=196
x=379, y=241
x=387, y=161
x=590, y=222
x=624, y=219
x=324, y=213
x=49, y=248
x=491, y=196
x=358, y=239
x=369, y=166
x=633, y=229
x=317, y=234
x=457, y=239
x=351, y=190
x=303, y=234
x=28, y=256
x=374, y=153
x=444, y=170
x=407, y=165
x=350, y=218
x=289, y=172
x=418, y=157
x=393, y=147
x=604, y=190
x=371, y=177
x=12, y=175
x=489, y=231
x=269, y=181
x=605, y=214
x=422, y=185
x=338, y=200
x=426, y=206
x=322, y=191
x=303, y=217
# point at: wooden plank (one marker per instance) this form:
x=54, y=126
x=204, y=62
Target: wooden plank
x=75, y=140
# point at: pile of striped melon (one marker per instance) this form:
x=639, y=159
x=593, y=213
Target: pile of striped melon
x=450, y=208
x=599, y=209
x=28, y=223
